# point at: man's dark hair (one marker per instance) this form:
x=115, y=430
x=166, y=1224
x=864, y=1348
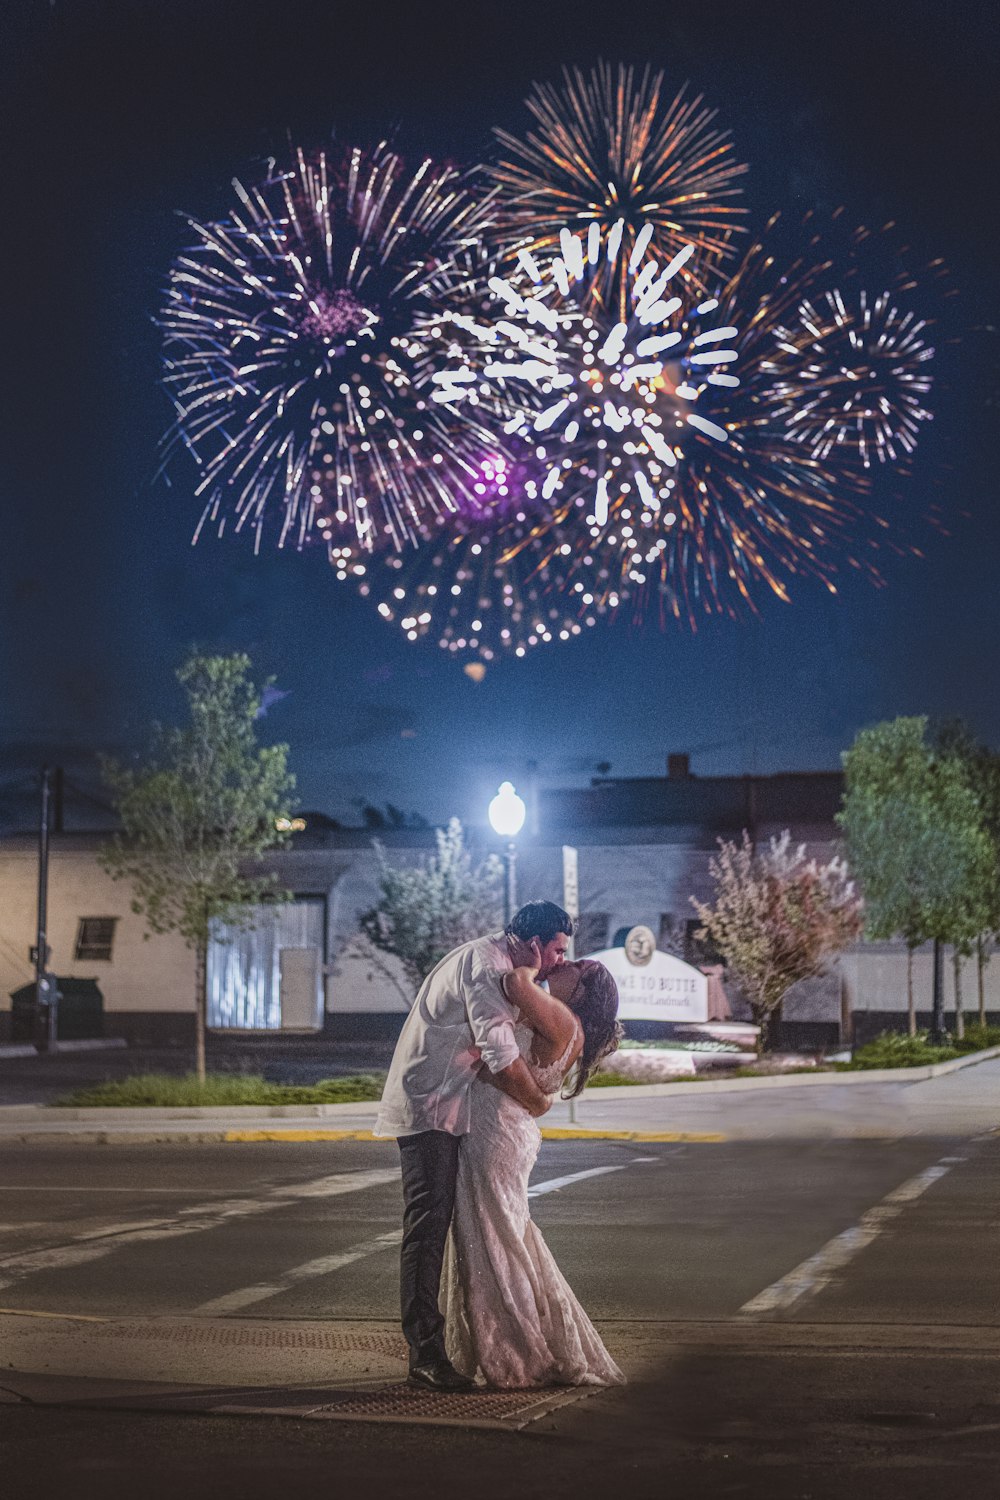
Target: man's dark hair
x=541, y=919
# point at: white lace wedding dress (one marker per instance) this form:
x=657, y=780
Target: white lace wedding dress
x=510, y=1313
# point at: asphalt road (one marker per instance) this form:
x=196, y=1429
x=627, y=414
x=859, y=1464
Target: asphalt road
x=798, y=1318
x=665, y=1232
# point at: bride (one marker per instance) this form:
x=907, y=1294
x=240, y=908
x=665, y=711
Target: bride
x=509, y=1311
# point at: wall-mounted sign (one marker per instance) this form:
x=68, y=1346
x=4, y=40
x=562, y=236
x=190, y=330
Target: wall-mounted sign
x=654, y=986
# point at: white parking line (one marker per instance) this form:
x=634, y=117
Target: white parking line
x=76, y=1187
x=96, y=1243
x=555, y=1183
x=323, y=1265
x=812, y=1275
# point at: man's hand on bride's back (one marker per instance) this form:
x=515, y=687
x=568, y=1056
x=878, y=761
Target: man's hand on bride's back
x=526, y=955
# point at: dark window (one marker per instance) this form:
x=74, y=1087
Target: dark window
x=95, y=937
x=591, y=932
x=673, y=935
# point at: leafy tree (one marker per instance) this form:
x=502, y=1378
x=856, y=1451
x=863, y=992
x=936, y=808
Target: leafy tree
x=980, y=768
x=777, y=917
x=202, y=808
x=425, y=911
x=915, y=840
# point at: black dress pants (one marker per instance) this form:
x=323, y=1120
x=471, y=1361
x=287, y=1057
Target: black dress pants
x=430, y=1171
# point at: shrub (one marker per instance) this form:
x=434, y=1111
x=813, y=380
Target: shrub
x=977, y=1038
x=892, y=1049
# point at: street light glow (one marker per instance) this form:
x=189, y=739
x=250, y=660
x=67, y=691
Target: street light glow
x=507, y=811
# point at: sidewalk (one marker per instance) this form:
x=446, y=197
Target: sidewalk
x=245, y=1367
x=952, y=1100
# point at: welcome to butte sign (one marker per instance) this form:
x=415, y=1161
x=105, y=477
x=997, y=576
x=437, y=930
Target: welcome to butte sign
x=654, y=986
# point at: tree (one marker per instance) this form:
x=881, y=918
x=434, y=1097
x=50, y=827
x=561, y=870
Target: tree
x=980, y=768
x=916, y=842
x=425, y=911
x=201, y=809
x=777, y=917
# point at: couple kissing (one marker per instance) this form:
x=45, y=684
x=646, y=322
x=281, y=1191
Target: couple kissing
x=498, y=1027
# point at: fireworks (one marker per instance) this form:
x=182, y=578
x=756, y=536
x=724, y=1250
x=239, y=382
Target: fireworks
x=607, y=148
x=509, y=416
x=585, y=389
x=861, y=378
x=757, y=510
x=490, y=587
x=731, y=518
x=486, y=591
x=291, y=359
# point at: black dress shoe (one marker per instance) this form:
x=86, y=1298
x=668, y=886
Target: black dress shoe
x=439, y=1375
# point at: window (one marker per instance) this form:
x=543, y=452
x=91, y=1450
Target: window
x=591, y=932
x=673, y=934
x=95, y=937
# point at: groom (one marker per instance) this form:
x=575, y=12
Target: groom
x=460, y=1020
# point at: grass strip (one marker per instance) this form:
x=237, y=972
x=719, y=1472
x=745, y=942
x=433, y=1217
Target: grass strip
x=168, y=1091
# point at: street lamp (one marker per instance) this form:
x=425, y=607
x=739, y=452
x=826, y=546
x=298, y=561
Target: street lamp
x=507, y=818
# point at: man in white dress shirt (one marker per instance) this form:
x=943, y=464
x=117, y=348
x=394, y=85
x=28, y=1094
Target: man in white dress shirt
x=460, y=1021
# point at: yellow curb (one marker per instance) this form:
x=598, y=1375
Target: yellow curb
x=555, y=1134
x=302, y=1135
x=23, y=1312
x=552, y=1134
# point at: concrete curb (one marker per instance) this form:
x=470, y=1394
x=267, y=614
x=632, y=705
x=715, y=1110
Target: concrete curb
x=792, y=1080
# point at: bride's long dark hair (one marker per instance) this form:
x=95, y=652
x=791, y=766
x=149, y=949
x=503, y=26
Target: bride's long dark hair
x=596, y=1005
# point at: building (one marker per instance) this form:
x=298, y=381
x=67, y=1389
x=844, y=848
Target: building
x=644, y=847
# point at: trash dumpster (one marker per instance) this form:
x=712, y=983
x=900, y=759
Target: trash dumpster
x=80, y=1015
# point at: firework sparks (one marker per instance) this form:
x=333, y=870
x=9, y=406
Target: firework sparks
x=861, y=376
x=585, y=389
x=764, y=507
x=610, y=146
x=291, y=359
x=488, y=588
x=735, y=518
x=731, y=520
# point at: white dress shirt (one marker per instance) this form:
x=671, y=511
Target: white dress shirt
x=459, y=1020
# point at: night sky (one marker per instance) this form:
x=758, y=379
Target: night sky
x=117, y=115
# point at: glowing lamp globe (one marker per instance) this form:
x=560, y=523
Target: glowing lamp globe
x=507, y=812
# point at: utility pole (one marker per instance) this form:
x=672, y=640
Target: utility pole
x=46, y=995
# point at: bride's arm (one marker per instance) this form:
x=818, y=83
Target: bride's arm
x=540, y=1010
x=518, y=1083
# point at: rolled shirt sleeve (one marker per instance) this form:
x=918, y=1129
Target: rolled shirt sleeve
x=491, y=1016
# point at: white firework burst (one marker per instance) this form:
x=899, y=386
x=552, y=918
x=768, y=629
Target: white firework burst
x=584, y=389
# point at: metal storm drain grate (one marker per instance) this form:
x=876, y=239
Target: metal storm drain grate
x=481, y=1408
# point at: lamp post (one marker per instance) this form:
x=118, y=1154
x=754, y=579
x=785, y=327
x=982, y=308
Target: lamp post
x=507, y=813
x=46, y=996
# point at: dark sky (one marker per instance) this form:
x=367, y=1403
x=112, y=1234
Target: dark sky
x=116, y=115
